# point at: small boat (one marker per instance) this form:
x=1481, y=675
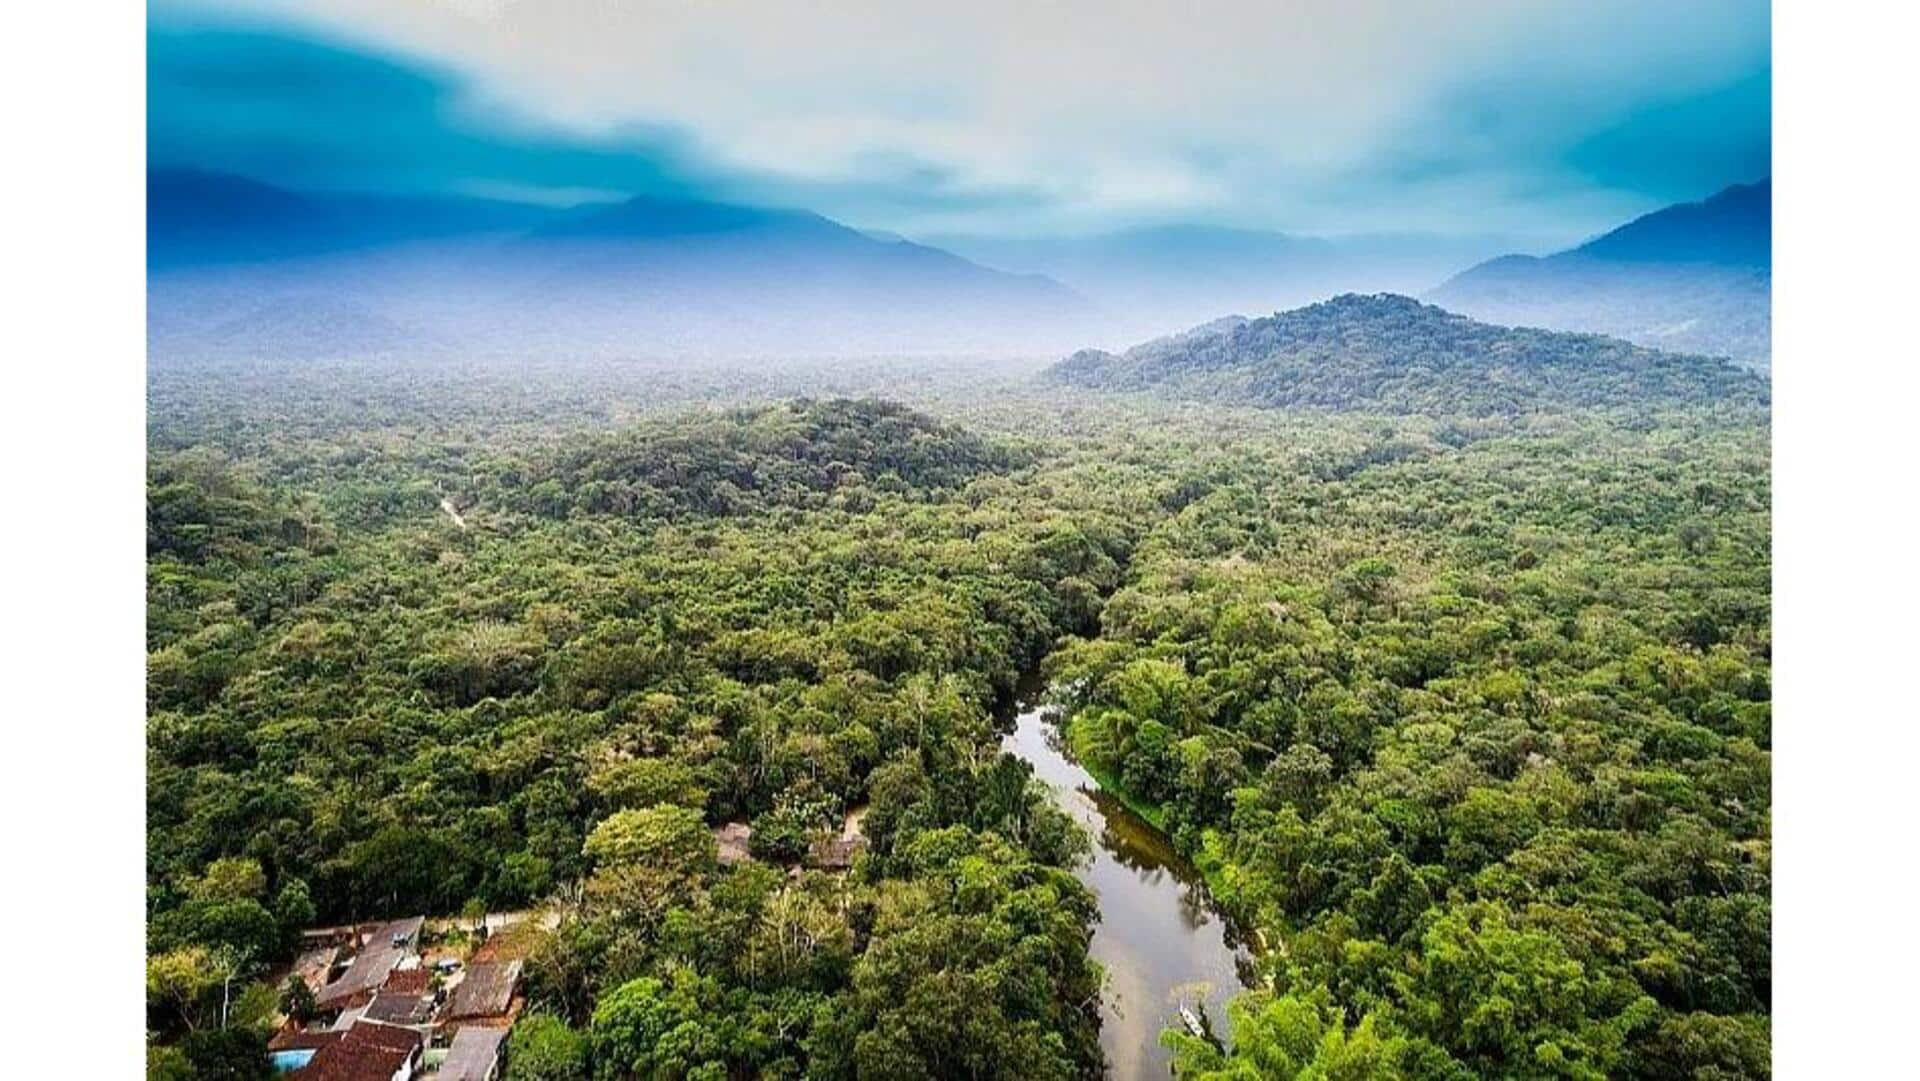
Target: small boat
x=1196, y=1020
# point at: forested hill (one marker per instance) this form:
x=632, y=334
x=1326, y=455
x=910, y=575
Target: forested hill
x=1393, y=354
x=804, y=453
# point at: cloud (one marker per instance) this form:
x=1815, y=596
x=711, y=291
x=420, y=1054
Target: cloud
x=310, y=113
x=1309, y=115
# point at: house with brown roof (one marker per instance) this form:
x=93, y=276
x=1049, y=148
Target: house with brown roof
x=314, y=966
x=486, y=992
x=317, y=937
x=369, y=1051
x=417, y=980
x=382, y=948
x=407, y=998
x=394, y=1008
x=302, y=1039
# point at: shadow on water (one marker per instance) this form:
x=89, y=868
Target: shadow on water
x=1160, y=939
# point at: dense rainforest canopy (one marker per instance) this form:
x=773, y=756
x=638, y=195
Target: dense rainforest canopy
x=1461, y=702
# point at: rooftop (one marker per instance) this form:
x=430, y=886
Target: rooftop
x=487, y=991
x=382, y=948
x=472, y=1054
x=366, y=1052
x=407, y=981
x=399, y=1008
x=302, y=1039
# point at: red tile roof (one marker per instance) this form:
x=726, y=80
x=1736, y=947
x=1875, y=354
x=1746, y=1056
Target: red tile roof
x=368, y=1051
x=408, y=981
x=302, y=1039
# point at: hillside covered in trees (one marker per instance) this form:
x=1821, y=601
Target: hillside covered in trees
x=799, y=454
x=1692, y=277
x=1455, y=685
x=1392, y=354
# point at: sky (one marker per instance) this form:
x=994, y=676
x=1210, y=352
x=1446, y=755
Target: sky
x=1526, y=118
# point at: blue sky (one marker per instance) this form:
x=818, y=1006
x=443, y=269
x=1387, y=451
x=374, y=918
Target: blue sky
x=1528, y=119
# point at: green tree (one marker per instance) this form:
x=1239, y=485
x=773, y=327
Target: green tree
x=230, y=879
x=543, y=1047
x=1288, y=1039
x=663, y=836
x=227, y=1054
x=297, y=999
x=182, y=983
x=293, y=907
x=645, y=1028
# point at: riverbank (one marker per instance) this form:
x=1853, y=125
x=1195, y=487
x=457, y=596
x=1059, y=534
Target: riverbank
x=1157, y=815
x=1160, y=939
x=1110, y=784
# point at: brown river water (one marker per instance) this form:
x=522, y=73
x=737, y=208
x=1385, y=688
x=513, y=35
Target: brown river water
x=1159, y=938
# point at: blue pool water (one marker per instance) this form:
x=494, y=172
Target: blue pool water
x=284, y=1061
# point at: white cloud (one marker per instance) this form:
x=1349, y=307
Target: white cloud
x=1260, y=112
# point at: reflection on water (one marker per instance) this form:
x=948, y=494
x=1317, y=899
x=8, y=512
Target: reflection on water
x=1160, y=940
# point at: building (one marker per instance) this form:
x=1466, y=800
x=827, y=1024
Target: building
x=486, y=993
x=317, y=937
x=314, y=966
x=292, y=1048
x=297, y=1039
x=407, y=998
x=474, y=1055
x=836, y=853
x=381, y=949
x=369, y=1051
x=390, y=1004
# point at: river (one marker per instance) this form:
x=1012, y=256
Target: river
x=1159, y=938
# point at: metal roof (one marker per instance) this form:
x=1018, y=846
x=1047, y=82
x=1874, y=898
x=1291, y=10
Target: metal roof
x=472, y=1054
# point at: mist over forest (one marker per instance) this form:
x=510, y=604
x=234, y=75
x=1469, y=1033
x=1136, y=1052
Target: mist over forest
x=1195, y=556
x=244, y=269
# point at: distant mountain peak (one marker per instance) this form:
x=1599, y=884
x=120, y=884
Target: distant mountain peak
x=650, y=275
x=1733, y=227
x=1370, y=305
x=660, y=216
x=1693, y=277
x=1391, y=353
x=197, y=217
x=186, y=181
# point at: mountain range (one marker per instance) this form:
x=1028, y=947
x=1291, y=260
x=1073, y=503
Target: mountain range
x=197, y=218
x=1388, y=353
x=1696, y=277
x=238, y=267
x=242, y=268
x=1154, y=278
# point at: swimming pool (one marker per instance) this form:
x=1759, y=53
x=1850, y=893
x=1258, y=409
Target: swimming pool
x=283, y=1061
